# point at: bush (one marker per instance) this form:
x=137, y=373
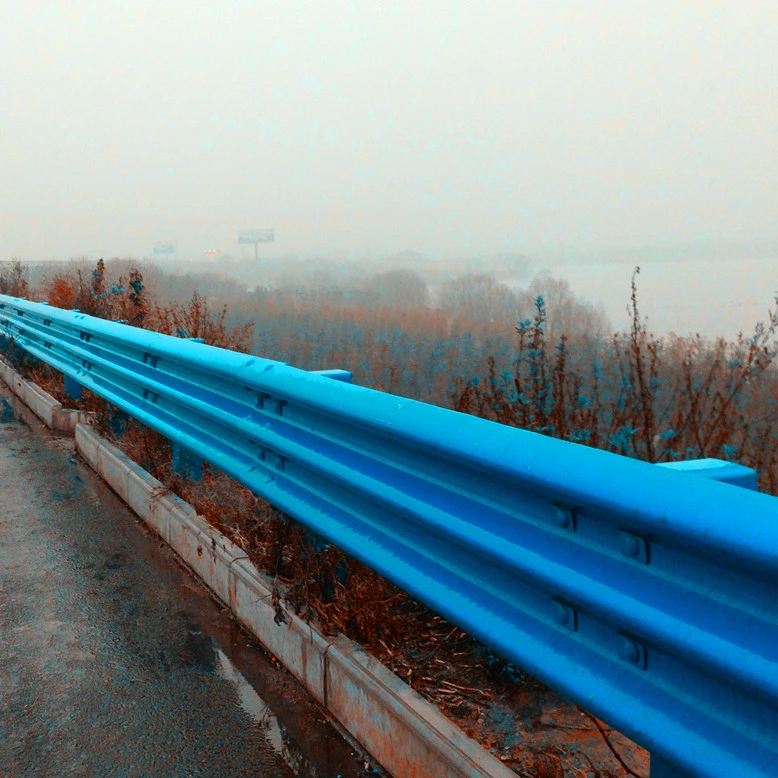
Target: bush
x=656, y=399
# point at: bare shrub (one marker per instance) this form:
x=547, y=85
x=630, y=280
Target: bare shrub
x=195, y=319
x=14, y=278
x=652, y=398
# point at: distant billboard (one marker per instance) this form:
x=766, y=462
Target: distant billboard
x=256, y=236
x=164, y=247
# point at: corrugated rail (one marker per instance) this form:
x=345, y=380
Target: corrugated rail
x=646, y=595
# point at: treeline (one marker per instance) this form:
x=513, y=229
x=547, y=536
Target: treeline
x=118, y=291
x=396, y=334
x=538, y=358
x=391, y=329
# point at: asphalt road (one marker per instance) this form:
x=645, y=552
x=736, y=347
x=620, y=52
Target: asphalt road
x=114, y=660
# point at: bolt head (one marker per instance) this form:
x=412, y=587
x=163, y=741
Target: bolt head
x=630, y=545
x=563, y=518
x=561, y=614
x=629, y=651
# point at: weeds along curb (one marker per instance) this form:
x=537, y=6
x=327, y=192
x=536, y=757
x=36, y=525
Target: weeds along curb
x=406, y=734
x=42, y=404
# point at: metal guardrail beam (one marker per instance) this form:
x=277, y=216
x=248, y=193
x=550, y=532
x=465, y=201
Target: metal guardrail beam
x=647, y=596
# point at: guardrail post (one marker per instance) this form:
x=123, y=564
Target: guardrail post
x=718, y=470
x=117, y=421
x=186, y=464
x=72, y=388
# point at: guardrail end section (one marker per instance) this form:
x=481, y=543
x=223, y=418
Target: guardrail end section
x=336, y=375
x=718, y=470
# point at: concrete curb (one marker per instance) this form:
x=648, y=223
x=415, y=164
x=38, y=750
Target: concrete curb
x=402, y=731
x=42, y=404
x=407, y=735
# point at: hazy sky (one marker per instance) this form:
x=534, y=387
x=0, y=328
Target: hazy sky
x=443, y=126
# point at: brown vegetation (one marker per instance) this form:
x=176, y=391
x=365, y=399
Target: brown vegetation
x=656, y=399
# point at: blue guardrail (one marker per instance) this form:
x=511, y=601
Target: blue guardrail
x=645, y=594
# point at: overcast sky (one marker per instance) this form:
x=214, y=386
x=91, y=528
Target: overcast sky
x=448, y=127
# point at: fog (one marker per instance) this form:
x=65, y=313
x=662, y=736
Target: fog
x=450, y=128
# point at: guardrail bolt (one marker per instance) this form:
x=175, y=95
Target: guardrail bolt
x=564, y=518
x=565, y=615
x=632, y=652
x=634, y=547
x=276, y=460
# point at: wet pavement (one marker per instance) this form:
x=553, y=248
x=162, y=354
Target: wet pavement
x=114, y=659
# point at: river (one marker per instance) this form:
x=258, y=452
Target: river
x=711, y=297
